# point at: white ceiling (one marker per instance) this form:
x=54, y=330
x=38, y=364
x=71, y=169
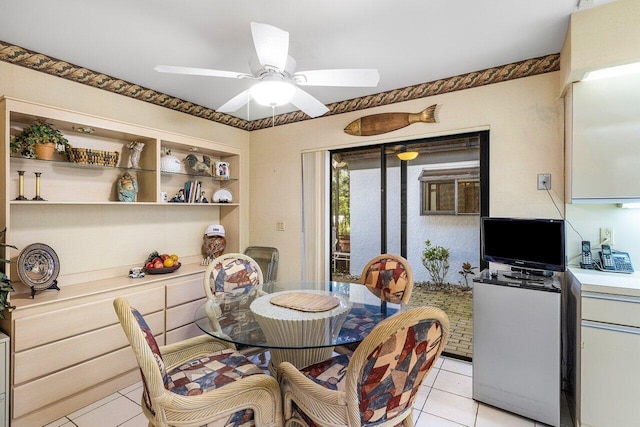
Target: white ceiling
x=409, y=42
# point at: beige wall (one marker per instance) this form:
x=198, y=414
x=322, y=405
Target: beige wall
x=524, y=117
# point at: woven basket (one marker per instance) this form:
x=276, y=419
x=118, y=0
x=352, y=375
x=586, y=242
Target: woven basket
x=90, y=156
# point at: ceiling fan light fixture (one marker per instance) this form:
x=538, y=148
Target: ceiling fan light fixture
x=272, y=93
x=407, y=155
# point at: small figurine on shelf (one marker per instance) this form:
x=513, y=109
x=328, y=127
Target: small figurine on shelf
x=135, y=149
x=197, y=167
x=203, y=198
x=127, y=188
x=178, y=198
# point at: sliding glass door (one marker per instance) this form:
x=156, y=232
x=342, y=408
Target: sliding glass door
x=382, y=204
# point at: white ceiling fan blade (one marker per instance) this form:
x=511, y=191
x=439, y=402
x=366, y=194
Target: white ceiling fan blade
x=235, y=103
x=364, y=77
x=272, y=45
x=308, y=104
x=199, y=71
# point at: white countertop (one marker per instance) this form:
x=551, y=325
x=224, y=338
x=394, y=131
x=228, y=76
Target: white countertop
x=608, y=283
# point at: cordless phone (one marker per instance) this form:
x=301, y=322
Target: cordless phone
x=607, y=259
x=617, y=262
x=586, y=260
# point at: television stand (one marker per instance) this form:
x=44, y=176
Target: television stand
x=518, y=279
x=525, y=272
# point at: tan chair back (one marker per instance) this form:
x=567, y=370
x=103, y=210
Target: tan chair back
x=390, y=277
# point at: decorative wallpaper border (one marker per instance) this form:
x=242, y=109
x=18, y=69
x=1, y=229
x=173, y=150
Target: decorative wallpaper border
x=39, y=62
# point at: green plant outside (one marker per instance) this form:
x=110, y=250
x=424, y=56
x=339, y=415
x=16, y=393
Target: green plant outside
x=39, y=132
x=436, y=260
x=5, y=283
x=341, y=185
x=465, y=272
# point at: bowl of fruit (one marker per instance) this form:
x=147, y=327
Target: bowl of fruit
x=161, y=263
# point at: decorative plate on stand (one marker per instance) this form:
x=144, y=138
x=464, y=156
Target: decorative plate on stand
x=222, y=196
x=38, y=267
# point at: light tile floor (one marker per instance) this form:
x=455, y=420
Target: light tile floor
x=443, y=401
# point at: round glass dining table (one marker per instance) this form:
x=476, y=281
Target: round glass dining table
x=300, y=322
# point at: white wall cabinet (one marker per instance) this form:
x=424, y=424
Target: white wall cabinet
x=603, y=140
x=602, y=331
x=608, y=370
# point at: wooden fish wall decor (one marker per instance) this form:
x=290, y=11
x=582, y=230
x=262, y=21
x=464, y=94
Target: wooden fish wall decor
x=377, y=124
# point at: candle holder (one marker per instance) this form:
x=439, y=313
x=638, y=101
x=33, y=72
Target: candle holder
x=38, y=198
x=20, y=186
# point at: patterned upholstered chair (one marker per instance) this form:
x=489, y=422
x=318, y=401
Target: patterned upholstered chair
x=231, y=282
x=377, y=384
x=198, y=381
x=389, y=277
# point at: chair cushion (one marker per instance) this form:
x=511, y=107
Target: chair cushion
x=210, y=372
x=387, y=279
x=359, y=323
x=153, y=344
x=329, y=373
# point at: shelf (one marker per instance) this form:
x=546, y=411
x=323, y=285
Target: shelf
x=213, y=178
x=67, y=164
x=53, y=202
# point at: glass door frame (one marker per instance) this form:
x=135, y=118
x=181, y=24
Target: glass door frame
x=384, y=149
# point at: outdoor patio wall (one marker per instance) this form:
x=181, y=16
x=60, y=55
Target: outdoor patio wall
x=457, y=233
x=524, y=117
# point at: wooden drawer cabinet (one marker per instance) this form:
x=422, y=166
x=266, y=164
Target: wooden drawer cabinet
x=67, y=355
x=67, y=322
x=71, y=351
x=183, y=299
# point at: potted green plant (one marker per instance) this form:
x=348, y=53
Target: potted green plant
x=344, y=234
x=5, y=282
x=40, y=139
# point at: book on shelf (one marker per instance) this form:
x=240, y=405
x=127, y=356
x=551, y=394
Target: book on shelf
x=192, y=191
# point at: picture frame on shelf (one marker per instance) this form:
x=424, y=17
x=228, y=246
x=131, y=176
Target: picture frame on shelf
x=222, y=170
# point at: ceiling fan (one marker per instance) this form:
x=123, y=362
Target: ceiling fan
x=277, y=82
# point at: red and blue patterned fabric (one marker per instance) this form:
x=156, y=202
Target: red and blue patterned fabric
x=387, y=279
x=211, y=372
x=235, y=282
x=199, y=375
x=153, y=344
x=391, y=376
x=358, y=324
